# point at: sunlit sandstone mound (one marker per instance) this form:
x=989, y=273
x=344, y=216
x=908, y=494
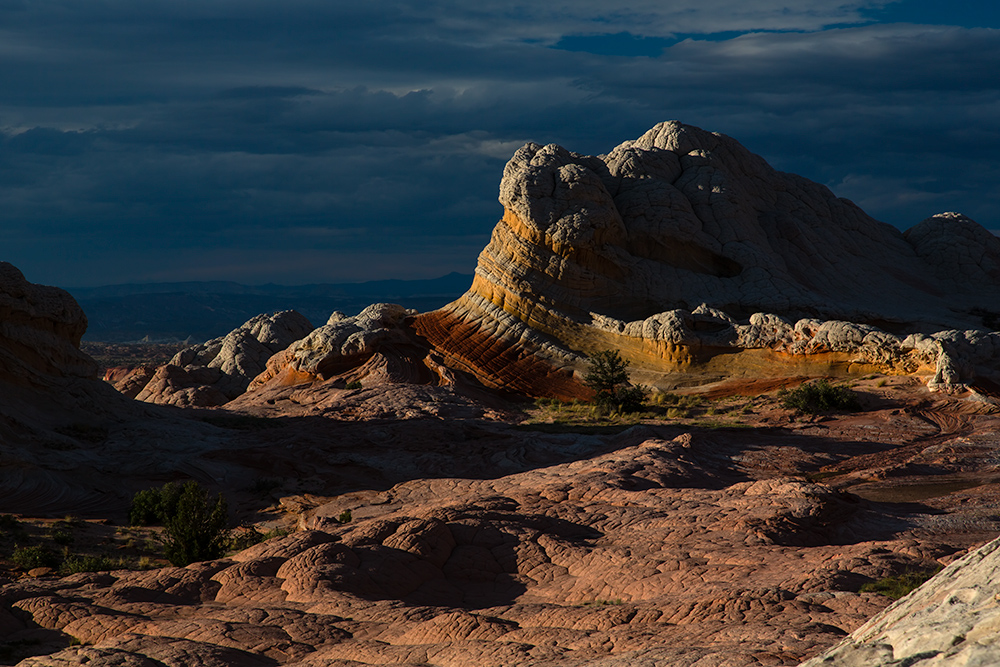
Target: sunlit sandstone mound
x=692, y=255
x=213, y=373
x=950, y=620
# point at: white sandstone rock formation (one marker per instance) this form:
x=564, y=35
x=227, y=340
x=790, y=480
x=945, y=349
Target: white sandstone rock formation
x=218, y=371
x=342, y=343
x=617, y=251
x=951, y=620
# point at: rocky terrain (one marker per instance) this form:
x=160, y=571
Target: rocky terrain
x=424, y=513
x=215, y=372
x=698, y=262
x=476, y=541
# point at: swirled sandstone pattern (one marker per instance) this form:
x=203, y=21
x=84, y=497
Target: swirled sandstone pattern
x=692, y=255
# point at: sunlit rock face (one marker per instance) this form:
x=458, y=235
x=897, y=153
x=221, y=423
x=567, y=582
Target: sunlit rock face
x=950, y=620
x=692, y=255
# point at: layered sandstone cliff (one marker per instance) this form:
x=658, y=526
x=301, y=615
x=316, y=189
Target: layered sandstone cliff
x=694, y=257
x=683, y=250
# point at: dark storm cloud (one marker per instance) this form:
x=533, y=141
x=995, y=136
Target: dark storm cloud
x=318, y=141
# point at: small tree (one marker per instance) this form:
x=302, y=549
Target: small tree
x=154, y=506
x=608, y=376
x=197, y=531
x=194, y=528
x=819, y=396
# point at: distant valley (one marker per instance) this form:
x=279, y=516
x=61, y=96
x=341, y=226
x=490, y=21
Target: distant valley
x=199, y=311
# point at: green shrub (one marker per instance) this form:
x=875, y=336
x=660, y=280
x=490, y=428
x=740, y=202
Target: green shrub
x=197, y=530
x=92, y=564
x=819, y=396
x=28, y=558
x=345, y=517
x=244, y=539
x=251, y=536
x=608, y=376
x=62, y=536
x=152, y=507
x=353, y=385
x=899, y=585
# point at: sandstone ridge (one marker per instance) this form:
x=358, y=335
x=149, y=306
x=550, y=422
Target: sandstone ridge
x=475, y=541
x=214, y=373
x=692, y=255
x=683, y=250
x=950, y=620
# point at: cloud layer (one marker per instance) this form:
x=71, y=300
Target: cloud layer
x=319, y=142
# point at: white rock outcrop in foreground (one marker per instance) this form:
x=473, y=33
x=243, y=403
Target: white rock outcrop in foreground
x=953, y=619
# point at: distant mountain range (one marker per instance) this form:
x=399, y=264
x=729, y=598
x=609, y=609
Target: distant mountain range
x=199, y=311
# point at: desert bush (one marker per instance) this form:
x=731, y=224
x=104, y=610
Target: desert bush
x=62, y=536
x=899, y=585
x=197, y=530
x=152, y=507
x=599, y=602
x=248, y=536
x=194, y=528
x=91, y=563
x=28, y=558
x=819, y=396
x=353, y=385
x=244, y=539
x=608, y=376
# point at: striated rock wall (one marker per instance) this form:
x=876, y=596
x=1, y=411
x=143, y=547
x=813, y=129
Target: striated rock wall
x=618, y=251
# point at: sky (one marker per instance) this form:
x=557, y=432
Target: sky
x=310, y=141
